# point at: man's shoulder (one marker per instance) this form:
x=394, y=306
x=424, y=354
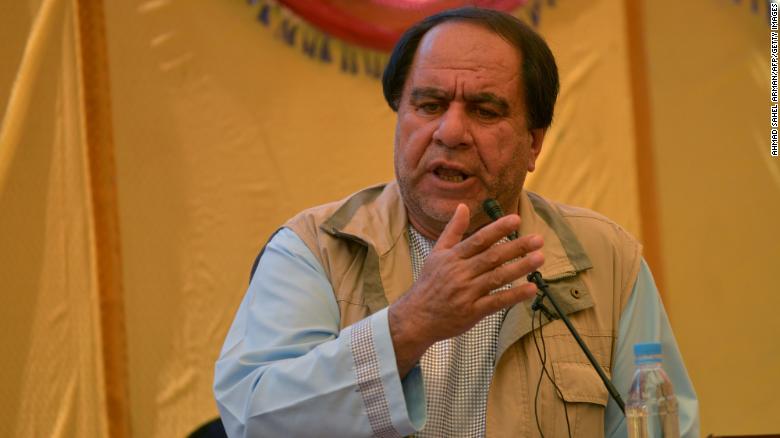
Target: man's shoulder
x=601, y=238
x=606, y=243
x=338, y=232
x=375, y=216
x=586, y=221
x=338, y=213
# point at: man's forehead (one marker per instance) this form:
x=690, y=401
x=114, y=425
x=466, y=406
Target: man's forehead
x=458, y=54
x=467, y=46
x=461, y=57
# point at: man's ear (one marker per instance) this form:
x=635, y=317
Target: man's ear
x=537, y=138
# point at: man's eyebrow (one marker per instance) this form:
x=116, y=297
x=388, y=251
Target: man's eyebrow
x=439, y=94
x=490, y=98
x=429, y=92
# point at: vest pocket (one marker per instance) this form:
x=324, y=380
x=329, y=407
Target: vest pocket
x=580, y=383
x=585, y=395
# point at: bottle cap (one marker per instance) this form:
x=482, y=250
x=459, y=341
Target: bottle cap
x=647, y=349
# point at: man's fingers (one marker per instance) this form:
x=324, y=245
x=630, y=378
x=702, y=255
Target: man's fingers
x=497, y=255
x=505, y=298
x=453, y=232
x=488, y=235
x=509, y=272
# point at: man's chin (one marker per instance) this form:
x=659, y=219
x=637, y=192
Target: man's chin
x=434, y=209
x=443, y=210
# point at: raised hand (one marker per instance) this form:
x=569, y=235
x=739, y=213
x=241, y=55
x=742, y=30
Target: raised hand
x=452, y=293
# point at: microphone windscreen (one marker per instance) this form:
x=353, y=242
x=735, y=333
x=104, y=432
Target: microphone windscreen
x=492, y=208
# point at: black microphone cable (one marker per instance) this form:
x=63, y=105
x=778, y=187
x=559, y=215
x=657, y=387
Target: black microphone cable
x=543, y=359
x=494, y=211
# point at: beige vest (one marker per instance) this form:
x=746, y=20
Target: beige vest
x=590, y=264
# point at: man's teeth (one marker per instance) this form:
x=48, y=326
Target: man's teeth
x=452, y=178
x=450, y=175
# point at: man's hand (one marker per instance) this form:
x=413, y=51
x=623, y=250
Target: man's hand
x=452, y=293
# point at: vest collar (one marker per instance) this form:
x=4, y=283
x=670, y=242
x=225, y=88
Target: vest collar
x=563, y=253
x=376, y=218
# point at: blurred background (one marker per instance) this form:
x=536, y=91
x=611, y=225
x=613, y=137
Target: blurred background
x=148, y=148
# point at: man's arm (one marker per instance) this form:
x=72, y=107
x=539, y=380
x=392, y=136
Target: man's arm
x=644, y=320
x=286, y=370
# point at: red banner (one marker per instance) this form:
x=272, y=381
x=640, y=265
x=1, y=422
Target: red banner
x=377, y=24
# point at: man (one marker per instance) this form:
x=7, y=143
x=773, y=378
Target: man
x=404, y=310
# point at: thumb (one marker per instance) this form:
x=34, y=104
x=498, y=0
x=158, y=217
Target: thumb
x=456, y=227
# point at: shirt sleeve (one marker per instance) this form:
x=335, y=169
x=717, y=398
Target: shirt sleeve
x=286, y=370
x=644, y=320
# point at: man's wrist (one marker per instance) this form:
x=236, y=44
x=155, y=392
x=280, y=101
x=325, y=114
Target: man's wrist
x=409, y=340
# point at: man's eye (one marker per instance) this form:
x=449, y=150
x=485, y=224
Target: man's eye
x=430, y=108
x=485, y=113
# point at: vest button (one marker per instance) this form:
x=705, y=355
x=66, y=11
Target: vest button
x=575, y=293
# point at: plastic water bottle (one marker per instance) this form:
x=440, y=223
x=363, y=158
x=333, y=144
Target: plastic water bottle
x=651, y=411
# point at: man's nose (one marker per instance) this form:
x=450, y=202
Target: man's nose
x=453, y=130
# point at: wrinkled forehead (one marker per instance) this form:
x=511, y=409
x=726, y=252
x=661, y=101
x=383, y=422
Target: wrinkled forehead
x=467, y=46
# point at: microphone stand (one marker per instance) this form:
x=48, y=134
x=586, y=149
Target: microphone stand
x=536, y=278
x=494, y=211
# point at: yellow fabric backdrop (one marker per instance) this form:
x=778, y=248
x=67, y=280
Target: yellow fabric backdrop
x=50, y=342
x=222, y=132
x=719, y=204
x=588, y=157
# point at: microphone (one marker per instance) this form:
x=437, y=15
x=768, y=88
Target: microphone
x=495, y=212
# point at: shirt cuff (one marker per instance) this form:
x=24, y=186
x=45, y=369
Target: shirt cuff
x=394, y=407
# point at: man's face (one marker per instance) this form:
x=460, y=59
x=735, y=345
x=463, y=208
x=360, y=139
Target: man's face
x=461, y=135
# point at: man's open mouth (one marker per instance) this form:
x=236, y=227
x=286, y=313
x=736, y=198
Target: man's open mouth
x=450, y=175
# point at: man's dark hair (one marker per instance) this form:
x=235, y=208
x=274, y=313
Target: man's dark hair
x=540, y=74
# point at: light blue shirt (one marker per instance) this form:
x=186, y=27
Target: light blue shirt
x=286, y=370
